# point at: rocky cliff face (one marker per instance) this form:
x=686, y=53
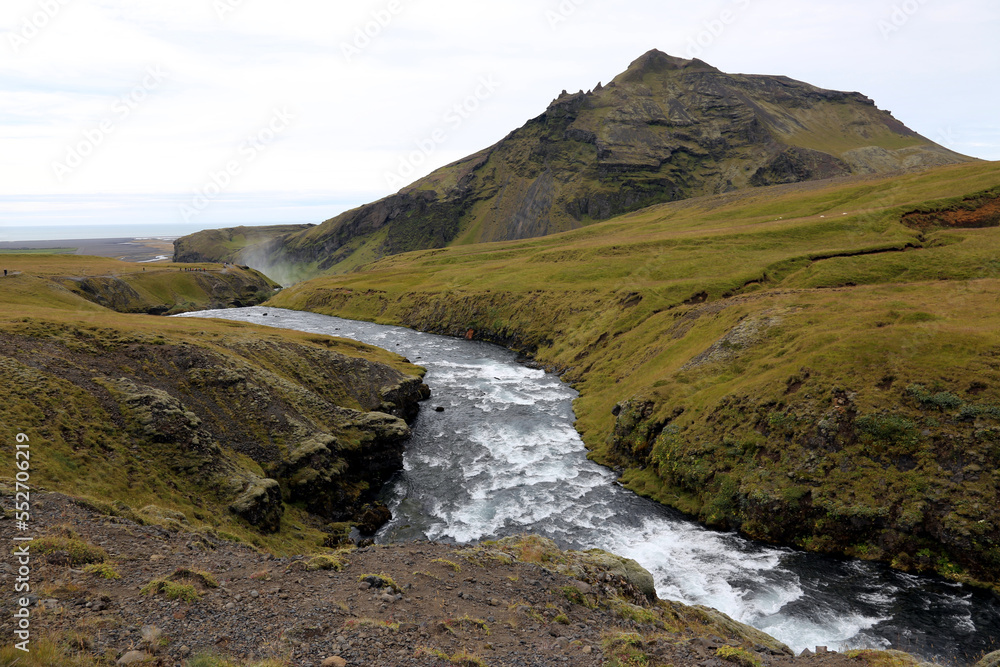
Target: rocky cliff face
x=327, y=429
x=666, y=129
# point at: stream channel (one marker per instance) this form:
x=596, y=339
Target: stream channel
x=504, y=459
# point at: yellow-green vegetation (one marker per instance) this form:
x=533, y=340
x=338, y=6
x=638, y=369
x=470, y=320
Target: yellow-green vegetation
x=371, y=623
x=739, y=656
x=171, y=590
x=624, y=649
x=462, y=658
x=149, y=414
x=77, y=551
x=466, y=623
x=792, y=361
x=633, y=612
x=325, y=562
x=873, y=658
x=47, y=651
x=201, y=577
x=380, y=581
x=227, y=245
x=103, y=570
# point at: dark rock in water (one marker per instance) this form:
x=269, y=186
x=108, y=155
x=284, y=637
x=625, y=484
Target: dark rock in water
x=403, y=399
x=439, y=409
x=372, y=517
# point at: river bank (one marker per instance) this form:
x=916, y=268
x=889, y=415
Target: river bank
x=119, y=591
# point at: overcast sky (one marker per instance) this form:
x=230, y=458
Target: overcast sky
x=221, y=112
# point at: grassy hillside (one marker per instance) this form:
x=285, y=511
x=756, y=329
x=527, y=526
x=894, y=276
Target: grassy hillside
x=815, y=364
x=147, y=416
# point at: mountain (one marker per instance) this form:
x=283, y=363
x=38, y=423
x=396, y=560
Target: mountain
x=666, y=129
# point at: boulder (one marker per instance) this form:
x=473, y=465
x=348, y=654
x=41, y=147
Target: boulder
x=260, y=505
x=134, y=658
x=990, y=660
x=626, y=568
x=371, y=517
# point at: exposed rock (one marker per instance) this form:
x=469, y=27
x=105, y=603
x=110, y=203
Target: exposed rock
x=372, y=517
x=752, y=635
x=260, y=505
x=134, y=658
x=628, y=569
x=743, y=336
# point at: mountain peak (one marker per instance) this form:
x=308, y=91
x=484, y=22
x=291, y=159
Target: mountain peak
x=658, y=62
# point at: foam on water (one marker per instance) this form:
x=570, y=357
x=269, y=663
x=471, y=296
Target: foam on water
x=504, y=458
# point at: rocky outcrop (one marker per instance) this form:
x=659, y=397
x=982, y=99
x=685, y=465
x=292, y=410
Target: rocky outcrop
x=664, y=130
x=174, y=414
x=260, y=505
x=171, y=291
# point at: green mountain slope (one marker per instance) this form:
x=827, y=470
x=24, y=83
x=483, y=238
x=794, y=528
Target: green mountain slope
x=815, y=364
x=664, y=130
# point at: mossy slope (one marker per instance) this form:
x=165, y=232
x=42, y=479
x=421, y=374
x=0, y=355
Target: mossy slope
x=794, y=362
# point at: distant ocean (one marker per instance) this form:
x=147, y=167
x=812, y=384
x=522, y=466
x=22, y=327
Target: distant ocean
x=69, y=232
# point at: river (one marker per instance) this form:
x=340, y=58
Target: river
x=503, y=458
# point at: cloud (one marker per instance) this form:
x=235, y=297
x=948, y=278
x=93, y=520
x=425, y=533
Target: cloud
x=357, y=117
